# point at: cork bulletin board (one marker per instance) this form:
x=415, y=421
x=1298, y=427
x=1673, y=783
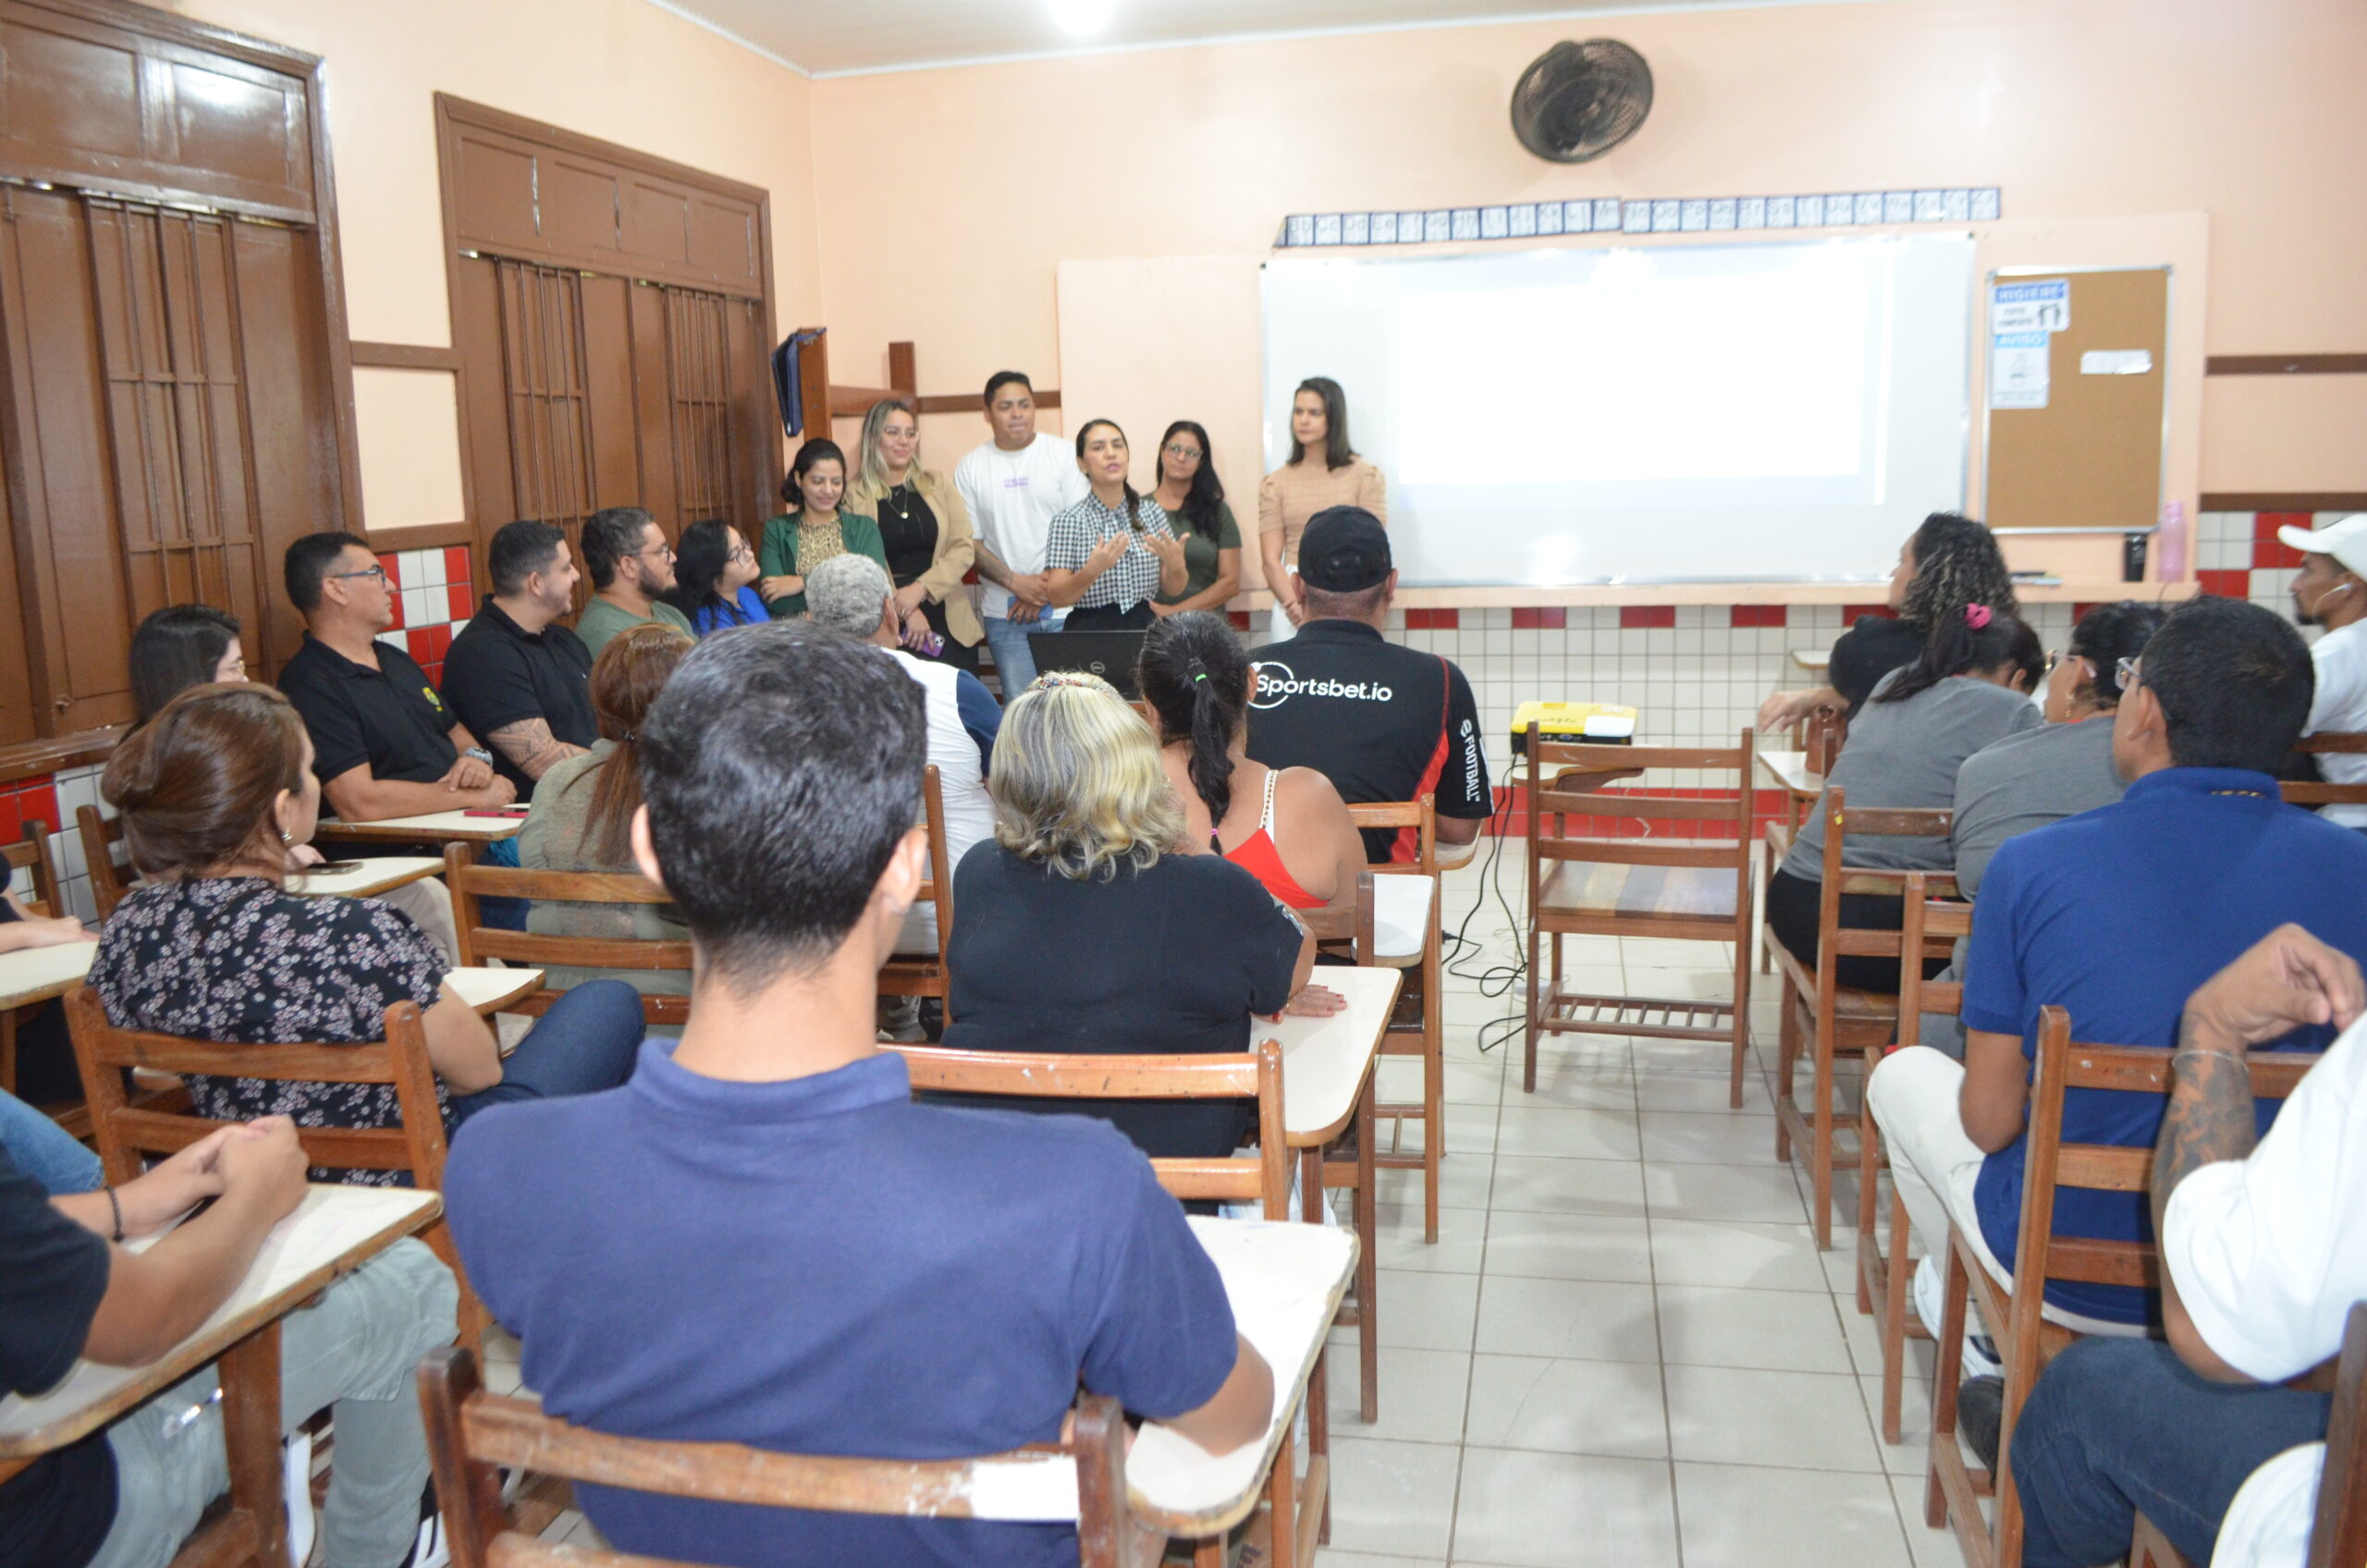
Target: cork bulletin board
x=2077, y=361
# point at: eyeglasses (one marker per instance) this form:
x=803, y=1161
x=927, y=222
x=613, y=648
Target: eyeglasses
x=377, y=571
x=660, y=548
x=1177, y=450
x=740, y=553
x=2127, y=672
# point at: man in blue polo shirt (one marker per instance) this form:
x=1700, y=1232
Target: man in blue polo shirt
x=774, y=1245
x=2117, y=915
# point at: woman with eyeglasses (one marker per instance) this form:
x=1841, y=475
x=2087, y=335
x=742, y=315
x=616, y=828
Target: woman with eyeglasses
x=924, y=528
x=1970, y=686
x=1190, y=492
x=2065, y=767
x=715, y=576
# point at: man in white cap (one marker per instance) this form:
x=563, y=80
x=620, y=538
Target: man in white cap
x=2331, y=592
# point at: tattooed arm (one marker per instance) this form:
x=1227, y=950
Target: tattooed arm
x=2284, y=981
x=528, y=744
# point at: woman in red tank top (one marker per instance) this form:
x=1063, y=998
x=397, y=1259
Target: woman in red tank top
x=1289, y=828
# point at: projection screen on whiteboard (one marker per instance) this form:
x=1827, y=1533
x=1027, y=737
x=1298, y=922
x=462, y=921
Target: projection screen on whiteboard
x=1672, y=413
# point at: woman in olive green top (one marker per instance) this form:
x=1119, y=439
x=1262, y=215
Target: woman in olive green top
x=1190, y=492
x=813, y=530
x=583, y=809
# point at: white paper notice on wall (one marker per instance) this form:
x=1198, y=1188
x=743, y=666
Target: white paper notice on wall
x=2116, y=361
x=2018, y=370
x=2029, y=307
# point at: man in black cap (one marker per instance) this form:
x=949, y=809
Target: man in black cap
x=1382, y=721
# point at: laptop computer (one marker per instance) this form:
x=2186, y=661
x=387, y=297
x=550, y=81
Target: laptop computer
x=1110, y=655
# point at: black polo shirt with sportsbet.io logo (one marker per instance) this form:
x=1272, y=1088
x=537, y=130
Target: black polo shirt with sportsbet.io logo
x=1383, y=722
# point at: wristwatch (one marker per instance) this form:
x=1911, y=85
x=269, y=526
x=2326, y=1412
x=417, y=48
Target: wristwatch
x=480, y=753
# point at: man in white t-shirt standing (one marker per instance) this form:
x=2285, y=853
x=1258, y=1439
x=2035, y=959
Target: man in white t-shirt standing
x=2263, y=1253
x=1012, y=486
x=2332, y=591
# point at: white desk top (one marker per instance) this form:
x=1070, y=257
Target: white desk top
x=490, y=990
x=35, y=975
x=367, y=880
x=1324, y=1059
x=333, y=1231
x=1791, y=770
x=447, y=827
x=1401, y=915
x=1811, y=658
x=1285, y=1282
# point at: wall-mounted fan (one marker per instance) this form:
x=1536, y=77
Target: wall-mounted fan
x=1578, y=101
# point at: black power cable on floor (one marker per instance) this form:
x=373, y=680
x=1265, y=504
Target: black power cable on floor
x=1497, y=979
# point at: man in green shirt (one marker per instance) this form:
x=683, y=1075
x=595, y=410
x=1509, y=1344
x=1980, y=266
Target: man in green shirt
x=631, y=565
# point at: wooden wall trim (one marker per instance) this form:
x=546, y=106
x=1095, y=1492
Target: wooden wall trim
x=426, y=536
x=2286, y=364
x=466, y=112
x=969, y=402
x=2283, y=500
x=405, y=356
x=34, y=758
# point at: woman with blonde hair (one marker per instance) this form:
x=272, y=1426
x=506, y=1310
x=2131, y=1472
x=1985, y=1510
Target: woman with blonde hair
x=924, y=528
x=582, y=818
x=1083, y=929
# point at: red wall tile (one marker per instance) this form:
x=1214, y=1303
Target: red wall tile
x=2265, y=525
x=459, y=601
x=394, y=577
x=1544, y=617
x=2270, y=554
x=2079, y=613
x=456, y=564
x=1648, y=615
x=35, y=800
x=1240, y=620
x=1849, y=613
x=1757, y=615
x=2227, y=584
x=1435, y=620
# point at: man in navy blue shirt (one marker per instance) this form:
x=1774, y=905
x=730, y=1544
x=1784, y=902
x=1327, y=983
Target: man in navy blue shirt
x=2117, y=915
x=761, y=1239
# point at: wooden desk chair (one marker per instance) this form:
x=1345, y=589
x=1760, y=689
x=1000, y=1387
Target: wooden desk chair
x=1819, y=736
x=1264, y=1177
x=1822, y=1018
x=470, y=882
x=1423, y=1032
x=1685, y=889
x=31, y=854
x=110, y=868
x=1883, y=1263
x=125, y=1131
x=2026, y=1340
x=472, y=1434
x=906, y=974
x=1321, y=1171
x=2331, y=743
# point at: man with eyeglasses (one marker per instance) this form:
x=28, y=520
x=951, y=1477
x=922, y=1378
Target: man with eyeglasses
x=384, y=742
x=631, y=565
x=2117, y=915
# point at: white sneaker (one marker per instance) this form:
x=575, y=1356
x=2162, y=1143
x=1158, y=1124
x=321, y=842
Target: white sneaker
x=433, y=1550
x=1980, y=1352
x=296, y=1486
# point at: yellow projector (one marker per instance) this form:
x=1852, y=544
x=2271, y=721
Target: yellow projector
x=1603, y=723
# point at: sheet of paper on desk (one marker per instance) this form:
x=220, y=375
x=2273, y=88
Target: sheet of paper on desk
x=1281, y=1280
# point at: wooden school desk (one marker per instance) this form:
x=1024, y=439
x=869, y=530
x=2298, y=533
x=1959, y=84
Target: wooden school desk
x=489, y=990
x=31, y=976
x=366, y=880
x=1327, y=1082
x=1285, y=1282
x=334, y=1230
x=435, y=827
x=1790, y=772
x=1814, y=660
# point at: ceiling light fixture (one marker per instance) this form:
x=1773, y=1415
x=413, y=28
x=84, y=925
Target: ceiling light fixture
x=1082, y=18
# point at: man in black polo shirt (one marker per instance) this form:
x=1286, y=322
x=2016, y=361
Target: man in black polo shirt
x=384, y=743
x=517, y=676
x=1382, y=721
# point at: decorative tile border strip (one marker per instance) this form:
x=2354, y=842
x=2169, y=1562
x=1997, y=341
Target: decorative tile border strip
x=1614, y=214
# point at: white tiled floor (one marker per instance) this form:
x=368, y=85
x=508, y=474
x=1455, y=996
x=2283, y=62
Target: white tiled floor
x=1624, y=1351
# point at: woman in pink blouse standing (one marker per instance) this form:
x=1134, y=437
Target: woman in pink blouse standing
x=1322, y=472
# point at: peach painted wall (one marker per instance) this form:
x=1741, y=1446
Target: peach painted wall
x=2246, y=111
x=622, y=70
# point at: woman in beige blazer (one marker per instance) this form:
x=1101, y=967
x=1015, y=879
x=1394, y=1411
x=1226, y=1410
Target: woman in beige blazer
x=926, y=529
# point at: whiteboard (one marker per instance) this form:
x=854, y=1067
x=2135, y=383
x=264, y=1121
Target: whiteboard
x=1692, y=413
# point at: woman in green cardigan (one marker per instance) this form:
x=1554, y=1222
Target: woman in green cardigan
x=813, y=530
